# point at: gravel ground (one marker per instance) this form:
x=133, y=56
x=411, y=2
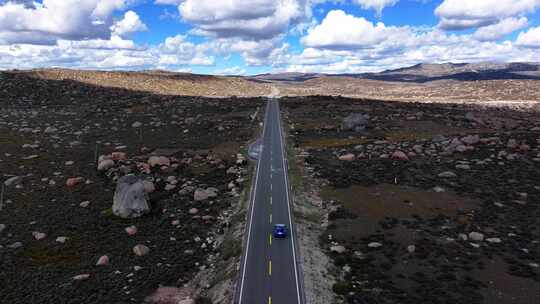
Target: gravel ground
x=52, y=130
x=429, y=203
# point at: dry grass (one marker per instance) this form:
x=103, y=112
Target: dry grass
x=161, y=82
x=331, y=143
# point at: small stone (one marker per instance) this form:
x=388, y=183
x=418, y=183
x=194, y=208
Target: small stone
x=103, y=260
x=193, y=211
x=13, y=181
x=136, y=124
x=85, y=204
x=447, y=174
x=400, y=155
x=74, y=181
x=149, y=187
x=411, y=248
x=374, y=245
x=159, y=161
x=461, y=148
x=2, y=227
x=15, y=245
x=471, y=139
x=81, y=277
x=476, y=236
x=463, y=237
x=50, y=130
x=105, y=165
x=117, y=156
x=131, y=230
x=61, y=239
x=39, y=235
x=338, y=249
x=347, y=157
x=512, y=144
x=175, y=222
x=141, y=250
x=439, y=189
x=493, y=240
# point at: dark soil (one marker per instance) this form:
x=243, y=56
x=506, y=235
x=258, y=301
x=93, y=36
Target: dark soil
x=206, y=134
x=399, y=203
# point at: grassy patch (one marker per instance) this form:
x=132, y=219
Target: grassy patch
x=332, y=142
x=42, y=254
x=232, y=247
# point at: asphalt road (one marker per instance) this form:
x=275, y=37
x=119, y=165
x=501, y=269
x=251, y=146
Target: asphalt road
x=269, y=272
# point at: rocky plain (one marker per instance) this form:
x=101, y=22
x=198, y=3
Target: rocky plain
x=419, y=185
x=66, y=146
x=425, y=203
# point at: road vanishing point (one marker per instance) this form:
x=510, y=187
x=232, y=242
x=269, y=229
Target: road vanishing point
x=269, y=270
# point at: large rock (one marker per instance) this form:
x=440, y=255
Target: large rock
x=130, y=198
x=355, y=122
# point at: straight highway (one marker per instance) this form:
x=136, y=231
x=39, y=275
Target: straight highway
x=269, y=270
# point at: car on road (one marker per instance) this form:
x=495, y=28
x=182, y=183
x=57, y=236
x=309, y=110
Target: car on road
x=280, y=231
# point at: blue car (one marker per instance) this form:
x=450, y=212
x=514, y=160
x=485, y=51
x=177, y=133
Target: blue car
x=279, y=231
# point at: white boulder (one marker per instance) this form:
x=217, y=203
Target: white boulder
x=130, y=198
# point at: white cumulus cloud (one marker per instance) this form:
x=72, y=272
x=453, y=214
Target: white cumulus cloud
x=45, y=22
x=342, y=31
x=464, y=14
x=377, y=5
x=130, y=24
x=499, y=30
x=530, y=38
x=250, y=20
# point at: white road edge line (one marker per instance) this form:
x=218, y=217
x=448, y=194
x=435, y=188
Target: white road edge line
x=285, y=173
x=252, y=204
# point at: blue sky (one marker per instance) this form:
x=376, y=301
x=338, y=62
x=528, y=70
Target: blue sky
x=261, y=36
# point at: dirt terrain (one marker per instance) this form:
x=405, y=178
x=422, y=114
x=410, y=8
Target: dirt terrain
x=437, y=84
x=56, y=222
x=501, y=91
x=432, y=200
x=160, y=82
x=425, y=203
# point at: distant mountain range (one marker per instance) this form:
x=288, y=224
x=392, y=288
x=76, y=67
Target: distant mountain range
x=428, y=72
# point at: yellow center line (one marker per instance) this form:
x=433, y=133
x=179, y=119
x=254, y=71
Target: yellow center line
x=270, y=267
x=270, y=218
x=269, y=300
x=270, y=200
x=270, y=239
